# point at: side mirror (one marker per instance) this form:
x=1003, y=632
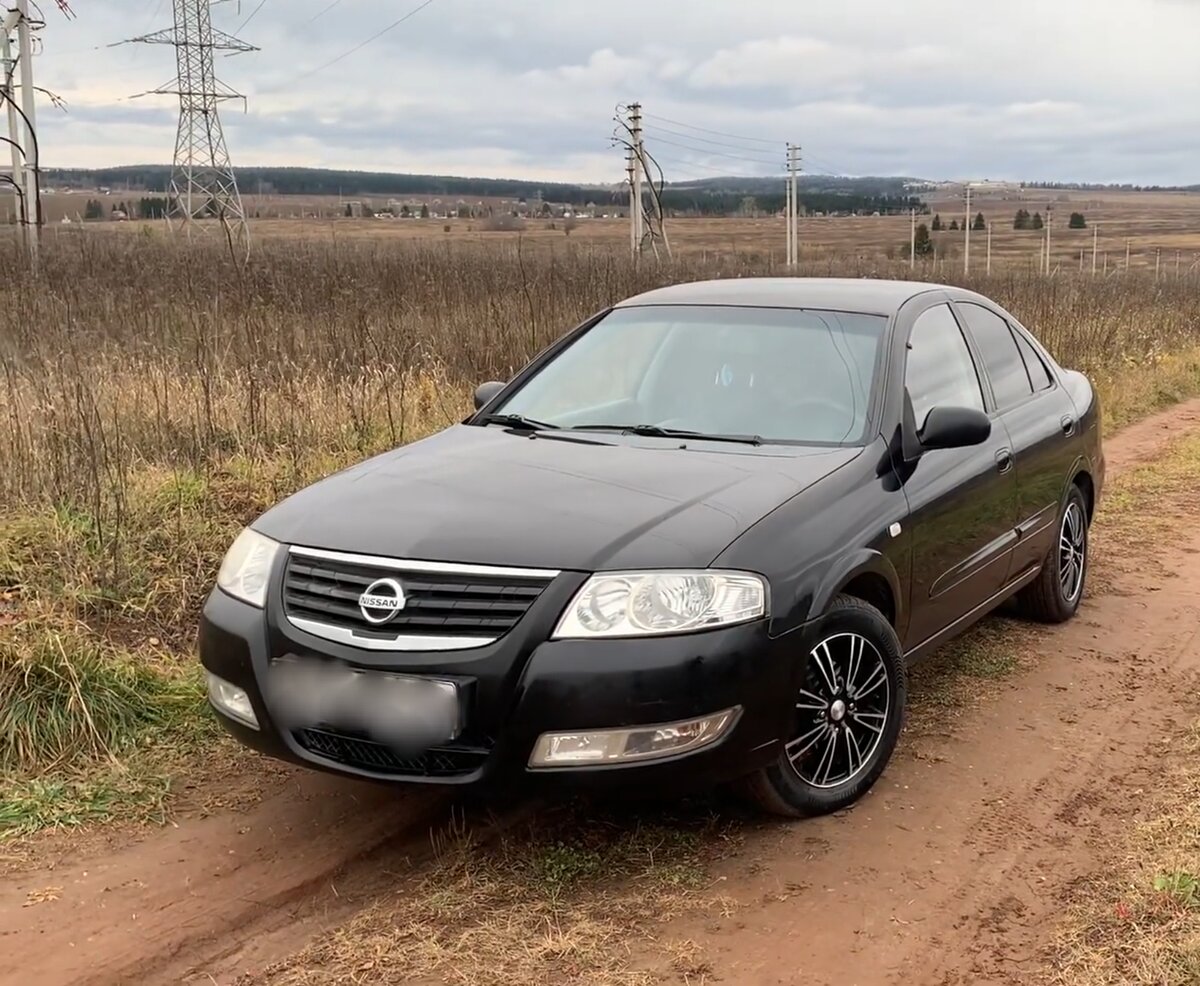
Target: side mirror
x=485, y=392
x=954, y=427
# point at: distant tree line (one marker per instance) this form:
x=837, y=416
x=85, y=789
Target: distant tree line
x=718, y=196
x=695, y=202
x=1079, y=186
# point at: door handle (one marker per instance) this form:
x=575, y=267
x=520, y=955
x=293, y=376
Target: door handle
x=1004, y=460
x=1068, y=425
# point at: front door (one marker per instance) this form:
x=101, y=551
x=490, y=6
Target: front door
x=962, y=502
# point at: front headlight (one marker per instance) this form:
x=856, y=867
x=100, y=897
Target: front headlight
x=636, y=604
x=247, y=567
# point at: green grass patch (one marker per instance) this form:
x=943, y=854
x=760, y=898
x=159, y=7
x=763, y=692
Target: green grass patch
x=32, y=805
x=68, y=696
x=88, y=730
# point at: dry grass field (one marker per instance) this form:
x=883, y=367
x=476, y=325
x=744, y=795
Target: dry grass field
x=1160, y=228
x=156, y=396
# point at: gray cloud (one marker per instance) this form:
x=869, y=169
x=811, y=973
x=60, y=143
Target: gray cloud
x=1085, y=89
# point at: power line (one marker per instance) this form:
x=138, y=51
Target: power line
x=253, y=14
x=706, y=140
x=716, y=133
x=361, y=45
x=685, y=168
x=322, y=13
x=713, y=153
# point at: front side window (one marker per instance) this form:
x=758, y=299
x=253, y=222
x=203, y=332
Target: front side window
x=939, y=371
x=785, y=375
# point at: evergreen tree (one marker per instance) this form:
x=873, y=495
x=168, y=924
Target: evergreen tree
x=424, y=210
x=1077, y=221
x=937, y=222
x=1036, y=222
x=1021, y=220
x=980, y=222
x=954, y=224
x=923, y=243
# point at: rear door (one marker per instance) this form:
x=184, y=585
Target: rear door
x=963, y=501
x=1040, y=420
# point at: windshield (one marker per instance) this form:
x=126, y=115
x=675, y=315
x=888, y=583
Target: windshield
x=782, y=375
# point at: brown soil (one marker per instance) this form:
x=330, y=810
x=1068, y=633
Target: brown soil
x=948, y=873
x=952, y=872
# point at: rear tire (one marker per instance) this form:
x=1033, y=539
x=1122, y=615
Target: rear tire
x=1055, y=595
x=846, y=717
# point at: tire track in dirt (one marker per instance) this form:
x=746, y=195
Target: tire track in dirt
x=950, y=873
x=954, y=848
x=138, y=913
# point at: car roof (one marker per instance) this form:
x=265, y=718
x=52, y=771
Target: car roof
x=854, y=294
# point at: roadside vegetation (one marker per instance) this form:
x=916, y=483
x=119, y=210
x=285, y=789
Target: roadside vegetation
x=152, y=405
x=1136, y=920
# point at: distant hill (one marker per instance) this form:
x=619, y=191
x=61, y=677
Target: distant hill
x=350, y=184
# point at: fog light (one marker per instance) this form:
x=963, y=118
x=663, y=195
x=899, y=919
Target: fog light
x=598, y=746
x=231, y=700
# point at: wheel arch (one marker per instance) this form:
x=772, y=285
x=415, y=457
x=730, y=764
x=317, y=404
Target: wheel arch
x=867, y=575
x=1087, y=486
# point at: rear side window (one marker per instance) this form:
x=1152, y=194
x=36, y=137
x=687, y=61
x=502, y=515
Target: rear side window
x=939, y=370
x=1001, y=358
x=1039, y=376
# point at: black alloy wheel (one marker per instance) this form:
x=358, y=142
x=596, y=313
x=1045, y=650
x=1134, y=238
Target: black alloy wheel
x=847, y=716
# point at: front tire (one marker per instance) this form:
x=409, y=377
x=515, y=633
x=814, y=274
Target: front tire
x=1055, y=595
x=846, y=718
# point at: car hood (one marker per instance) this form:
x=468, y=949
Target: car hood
x=493, y=497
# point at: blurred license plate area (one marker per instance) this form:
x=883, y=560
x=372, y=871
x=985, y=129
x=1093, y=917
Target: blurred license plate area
x=407, y=713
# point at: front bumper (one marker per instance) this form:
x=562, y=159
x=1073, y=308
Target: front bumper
x=525, y=685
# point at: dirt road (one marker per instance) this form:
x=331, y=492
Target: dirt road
x=954, y=869
x=948, y=873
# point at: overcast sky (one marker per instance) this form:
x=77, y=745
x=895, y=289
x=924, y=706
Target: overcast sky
x=1093, y=90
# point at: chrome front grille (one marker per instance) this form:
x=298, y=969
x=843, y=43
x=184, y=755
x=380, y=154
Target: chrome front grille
x=446, y=606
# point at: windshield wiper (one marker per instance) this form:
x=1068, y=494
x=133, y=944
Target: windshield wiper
x=658, y=431
x=518, y=421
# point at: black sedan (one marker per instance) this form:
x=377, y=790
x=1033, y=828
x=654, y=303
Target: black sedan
x=698, y=539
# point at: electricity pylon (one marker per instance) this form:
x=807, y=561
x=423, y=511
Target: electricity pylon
x=203, y=185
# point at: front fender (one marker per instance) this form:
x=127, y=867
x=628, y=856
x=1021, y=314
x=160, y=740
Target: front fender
x=815, y=597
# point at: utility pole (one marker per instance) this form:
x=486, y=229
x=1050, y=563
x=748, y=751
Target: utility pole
x=989, y=249
x=633, y=205
x=202, y=179
x=787, y=205
x=788, y=212
x=635, y=127
x=1049, y=214
x=643, y=227
x=967, y=235
x=25, y=179
x=912, y=239
x=17, y=176
x=1127, y=254
x=793, y=205
x=1157, y=261
x=1095, y=239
